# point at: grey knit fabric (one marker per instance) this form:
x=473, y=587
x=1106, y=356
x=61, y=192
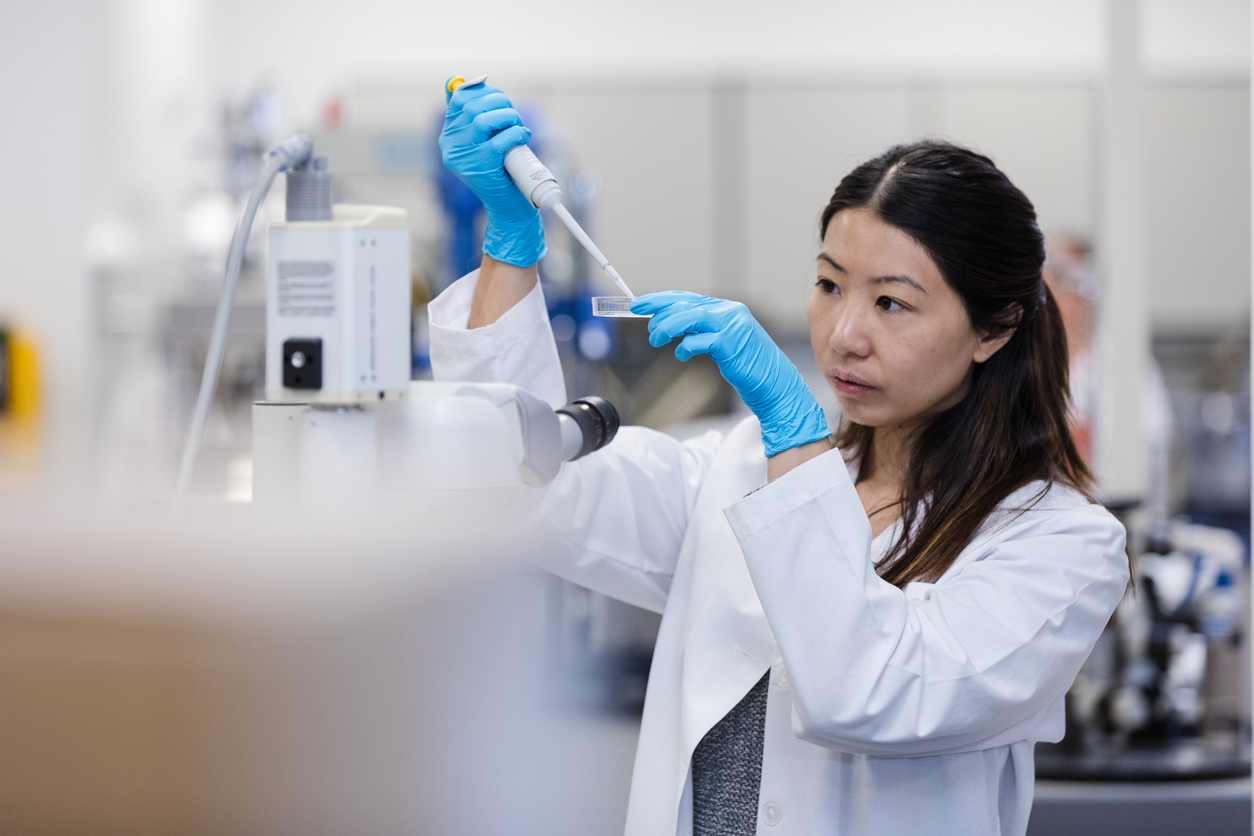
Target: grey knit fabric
x=727, y=769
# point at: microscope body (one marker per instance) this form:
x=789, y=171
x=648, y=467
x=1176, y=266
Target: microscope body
x=343, y=427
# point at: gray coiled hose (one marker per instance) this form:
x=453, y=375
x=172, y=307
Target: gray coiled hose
x=290, y=153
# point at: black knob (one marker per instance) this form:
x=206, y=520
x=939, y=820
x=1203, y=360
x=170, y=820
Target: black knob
x=597, y=420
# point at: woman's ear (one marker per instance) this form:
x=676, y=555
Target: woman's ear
x=990, y=344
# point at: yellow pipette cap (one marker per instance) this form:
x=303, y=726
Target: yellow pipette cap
x=457, y=81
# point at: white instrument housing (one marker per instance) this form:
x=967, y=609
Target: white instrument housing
x=338, y=304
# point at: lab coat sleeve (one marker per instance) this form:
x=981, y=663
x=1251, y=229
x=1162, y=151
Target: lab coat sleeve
x=613, y=521
x=617, y=518
x=518, y=348
x=935, y=668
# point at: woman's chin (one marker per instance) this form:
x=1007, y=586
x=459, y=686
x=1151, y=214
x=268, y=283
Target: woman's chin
x=857, y=414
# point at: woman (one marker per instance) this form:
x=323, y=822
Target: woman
x=863, y=645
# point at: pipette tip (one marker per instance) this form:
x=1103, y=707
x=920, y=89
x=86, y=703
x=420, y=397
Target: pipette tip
x=618, y=280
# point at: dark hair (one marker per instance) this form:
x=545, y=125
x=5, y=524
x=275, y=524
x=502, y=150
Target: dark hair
x=1011, y=429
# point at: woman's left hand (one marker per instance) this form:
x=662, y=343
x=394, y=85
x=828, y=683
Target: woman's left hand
x=763, y=376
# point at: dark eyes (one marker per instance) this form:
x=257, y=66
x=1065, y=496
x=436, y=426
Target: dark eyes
x=884, y=303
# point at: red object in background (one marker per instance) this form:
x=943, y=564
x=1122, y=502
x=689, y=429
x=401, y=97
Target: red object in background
x=1082, y=432
x=333, y=112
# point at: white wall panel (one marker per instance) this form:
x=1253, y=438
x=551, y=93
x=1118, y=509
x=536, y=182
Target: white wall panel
x=800, y=143
x=1040, y=136
x=652, y=148
x=1198, y=195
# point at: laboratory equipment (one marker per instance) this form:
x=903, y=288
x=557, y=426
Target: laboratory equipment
x=19, y=374
x=292, y=152
x=337, y=298
x=443, y=437
x=1164, y=695
x=540, y=187
x=20, y=422
x=337, y=306
x=614, y=306
x=342, y=420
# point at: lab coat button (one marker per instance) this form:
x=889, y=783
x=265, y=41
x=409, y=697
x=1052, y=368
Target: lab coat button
x=772, y=813
x=782, y=679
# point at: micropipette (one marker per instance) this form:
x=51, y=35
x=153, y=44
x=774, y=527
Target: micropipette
x=540, y=187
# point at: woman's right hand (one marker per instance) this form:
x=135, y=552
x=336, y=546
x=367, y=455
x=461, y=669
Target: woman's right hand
x=479, y=128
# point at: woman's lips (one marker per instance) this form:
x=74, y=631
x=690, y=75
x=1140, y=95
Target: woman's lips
x=850, y=385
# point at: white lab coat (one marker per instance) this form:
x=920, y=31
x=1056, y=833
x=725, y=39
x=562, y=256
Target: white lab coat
x=889, y=711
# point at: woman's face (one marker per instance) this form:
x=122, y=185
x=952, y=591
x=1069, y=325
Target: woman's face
x=892, y=338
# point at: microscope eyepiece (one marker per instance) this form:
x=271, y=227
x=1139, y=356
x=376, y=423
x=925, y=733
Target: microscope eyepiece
x=597, y=420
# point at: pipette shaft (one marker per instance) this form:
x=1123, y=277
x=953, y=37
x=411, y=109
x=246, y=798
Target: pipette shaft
x=582, y=237
x=539, y=185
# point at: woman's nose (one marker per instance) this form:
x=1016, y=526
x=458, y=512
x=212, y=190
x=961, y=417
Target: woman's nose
x=850, y=335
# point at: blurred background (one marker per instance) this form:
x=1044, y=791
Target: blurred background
x=697, y=142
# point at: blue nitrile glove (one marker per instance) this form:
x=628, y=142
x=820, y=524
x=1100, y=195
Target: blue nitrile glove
x=749, y=359
x=480, y=126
